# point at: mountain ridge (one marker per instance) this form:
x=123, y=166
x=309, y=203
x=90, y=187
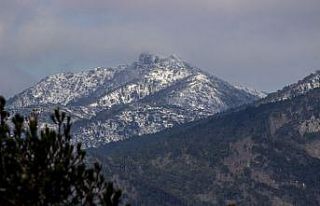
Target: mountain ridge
x=260, y=155
x=159, y=92
x=308, y=83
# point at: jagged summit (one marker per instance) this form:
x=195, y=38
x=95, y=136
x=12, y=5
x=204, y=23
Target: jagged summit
x=151, y=59
x=110, y=104
x=147, y=58
x=310, y=82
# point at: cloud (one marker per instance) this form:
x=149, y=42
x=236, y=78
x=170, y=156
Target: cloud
x=237, y=6
x=1, y=34
x=13, y=80
x=242, y=41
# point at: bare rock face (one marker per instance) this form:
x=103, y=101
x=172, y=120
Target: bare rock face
x=276, y=121
x=310, y=126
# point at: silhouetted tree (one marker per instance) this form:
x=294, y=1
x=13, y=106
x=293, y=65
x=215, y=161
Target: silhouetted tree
x=44, y=168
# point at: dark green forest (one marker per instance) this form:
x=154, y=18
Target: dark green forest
x=42, y=167
x=263, y=154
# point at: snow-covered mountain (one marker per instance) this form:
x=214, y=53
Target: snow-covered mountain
x=111, y=104
x=301, y=87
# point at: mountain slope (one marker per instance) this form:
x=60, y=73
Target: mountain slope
x=111, y=104
x=261, y=155
x=65, y=88
x=303, y=86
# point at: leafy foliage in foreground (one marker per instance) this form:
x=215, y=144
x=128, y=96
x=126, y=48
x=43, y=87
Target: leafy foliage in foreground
x=44, y=168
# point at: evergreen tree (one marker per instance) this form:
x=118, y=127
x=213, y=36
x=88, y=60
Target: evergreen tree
x=44, y=168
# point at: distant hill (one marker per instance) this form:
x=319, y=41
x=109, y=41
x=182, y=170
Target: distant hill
x=264, y=154
x=152, y=94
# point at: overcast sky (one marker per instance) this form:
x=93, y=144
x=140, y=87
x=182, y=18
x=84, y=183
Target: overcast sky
x=265, y=44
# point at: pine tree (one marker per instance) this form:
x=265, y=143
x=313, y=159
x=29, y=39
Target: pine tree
x=44, y=168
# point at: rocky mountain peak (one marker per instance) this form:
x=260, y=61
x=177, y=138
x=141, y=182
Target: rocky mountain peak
x=151, y=59
x=313, y=79
x=150, y=95
x=147, y=58
x=303, y=86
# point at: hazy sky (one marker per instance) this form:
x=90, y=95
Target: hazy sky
x=265, y=44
